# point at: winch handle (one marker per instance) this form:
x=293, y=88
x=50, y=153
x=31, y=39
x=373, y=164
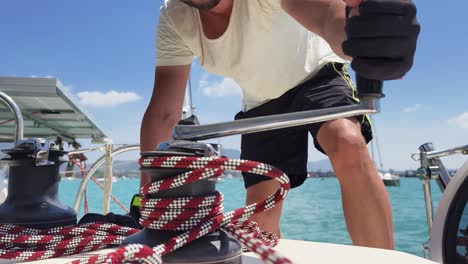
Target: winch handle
x=369, y=88
x=366, y=88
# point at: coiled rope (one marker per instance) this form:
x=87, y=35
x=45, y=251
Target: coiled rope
x=179, y=214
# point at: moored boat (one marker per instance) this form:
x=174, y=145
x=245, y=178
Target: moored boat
x=389, y=179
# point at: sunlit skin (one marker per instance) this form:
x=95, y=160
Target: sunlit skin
x=353, y=3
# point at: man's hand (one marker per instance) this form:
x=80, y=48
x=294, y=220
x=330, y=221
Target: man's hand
x=381, y=37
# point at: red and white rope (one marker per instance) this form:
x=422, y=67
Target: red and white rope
x=26, y=244
x=192, y=215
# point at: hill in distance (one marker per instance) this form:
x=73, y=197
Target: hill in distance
x=320, y=165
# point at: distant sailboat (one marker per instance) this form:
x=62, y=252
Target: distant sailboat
x=388, y=178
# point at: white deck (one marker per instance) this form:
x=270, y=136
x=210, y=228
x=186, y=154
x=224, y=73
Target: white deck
x=302, y=252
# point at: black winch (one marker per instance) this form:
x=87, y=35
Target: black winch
x=218, y=247
x=32, y=199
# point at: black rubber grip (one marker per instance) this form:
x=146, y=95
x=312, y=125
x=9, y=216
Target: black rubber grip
x=369, y=88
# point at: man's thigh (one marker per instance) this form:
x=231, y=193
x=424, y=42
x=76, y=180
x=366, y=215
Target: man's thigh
x=285, y=149
x=331, y=87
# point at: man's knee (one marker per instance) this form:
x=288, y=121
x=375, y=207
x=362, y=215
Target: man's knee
x=341, y=137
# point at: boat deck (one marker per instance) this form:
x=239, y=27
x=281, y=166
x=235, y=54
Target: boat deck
x=303, y=252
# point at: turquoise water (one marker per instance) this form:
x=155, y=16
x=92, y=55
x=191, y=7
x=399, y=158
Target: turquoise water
x=312, y=212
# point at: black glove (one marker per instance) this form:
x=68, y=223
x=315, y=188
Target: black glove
x=382, y=38
x=121, y=220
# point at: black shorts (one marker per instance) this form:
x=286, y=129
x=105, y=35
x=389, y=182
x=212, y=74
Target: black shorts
x=286, y=148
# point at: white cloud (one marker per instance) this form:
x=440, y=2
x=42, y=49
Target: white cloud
x=67, y=89
x=225, y=87
x=460, y=121
x=108, y=99
x=42, y=76
x=412, y=108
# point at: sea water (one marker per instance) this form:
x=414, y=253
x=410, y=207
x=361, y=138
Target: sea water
x=311, y=212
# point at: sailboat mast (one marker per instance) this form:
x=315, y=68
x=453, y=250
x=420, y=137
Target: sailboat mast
x=372, y=149
x=188, y=109
x=377, y=143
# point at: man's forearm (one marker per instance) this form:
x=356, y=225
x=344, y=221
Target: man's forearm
x=325, y=18
x=155, y=129
x=165, y=108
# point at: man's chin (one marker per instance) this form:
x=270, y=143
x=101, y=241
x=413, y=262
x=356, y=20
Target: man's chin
x=204, y=5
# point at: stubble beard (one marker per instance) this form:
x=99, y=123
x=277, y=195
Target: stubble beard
x=202, y=6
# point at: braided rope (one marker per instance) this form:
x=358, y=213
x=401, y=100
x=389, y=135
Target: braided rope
x=188, y=214
x=27, y=244
x=257, y=245
x=253, y=229
x=179, y=214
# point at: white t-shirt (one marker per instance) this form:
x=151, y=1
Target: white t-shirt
x=263, y=49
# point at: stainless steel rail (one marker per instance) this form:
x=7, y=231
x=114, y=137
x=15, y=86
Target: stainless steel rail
x=428, y=202
x=79, y=151
x=18, y=116
x=432, y=168
x=259, y=124
x=447, y=152
x=108, y=174
x=93, y=169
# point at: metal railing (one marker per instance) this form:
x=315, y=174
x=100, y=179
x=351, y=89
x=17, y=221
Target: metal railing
x=432, y=168
x=17, y=115
x=110, y=153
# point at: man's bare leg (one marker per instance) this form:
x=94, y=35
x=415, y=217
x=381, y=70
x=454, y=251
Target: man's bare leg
x=365, y=200
x=269, y=220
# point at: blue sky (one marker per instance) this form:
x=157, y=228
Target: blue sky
x=103, y=52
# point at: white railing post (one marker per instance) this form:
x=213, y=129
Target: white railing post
x=107, y=178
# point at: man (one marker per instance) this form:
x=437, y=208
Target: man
x=287, y=56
